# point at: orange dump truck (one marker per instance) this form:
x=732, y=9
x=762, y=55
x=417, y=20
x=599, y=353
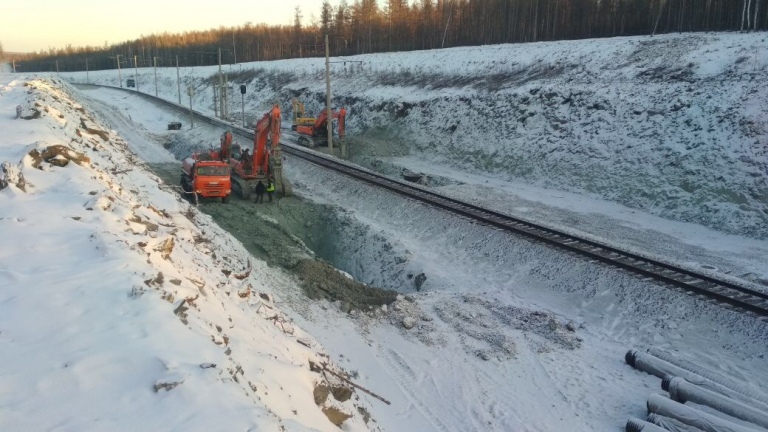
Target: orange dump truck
x=204, y=177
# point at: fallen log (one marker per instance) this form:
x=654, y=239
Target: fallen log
x=357, y=385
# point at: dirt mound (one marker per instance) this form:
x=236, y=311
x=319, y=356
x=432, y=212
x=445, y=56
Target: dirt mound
x=320, y=280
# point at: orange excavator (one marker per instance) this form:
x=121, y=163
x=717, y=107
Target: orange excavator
x=317, y=133
x=264, y=163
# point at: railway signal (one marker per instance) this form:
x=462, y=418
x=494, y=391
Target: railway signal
x=242, y=102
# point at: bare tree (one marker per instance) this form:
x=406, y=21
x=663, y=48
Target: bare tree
x=743, y=14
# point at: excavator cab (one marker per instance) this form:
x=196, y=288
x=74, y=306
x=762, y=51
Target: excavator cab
x=237, y=152
x=299, y=115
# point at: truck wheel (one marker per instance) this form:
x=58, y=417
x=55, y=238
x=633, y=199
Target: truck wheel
x=184, y=191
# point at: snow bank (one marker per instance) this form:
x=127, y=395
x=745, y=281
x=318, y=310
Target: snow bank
x=123, y=308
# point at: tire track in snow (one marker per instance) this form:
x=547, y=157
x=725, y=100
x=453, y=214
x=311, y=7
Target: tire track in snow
x=397, y=367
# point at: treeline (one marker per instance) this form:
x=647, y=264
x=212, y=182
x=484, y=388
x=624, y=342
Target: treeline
x=365, y=27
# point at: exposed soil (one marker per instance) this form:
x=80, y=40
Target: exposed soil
x=284, y=233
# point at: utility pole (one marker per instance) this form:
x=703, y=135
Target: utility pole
x=14, y=65
x=221, y=88
x=136, y=71
x=154, y=59
x=87, y=79
x=57, y=68
x=119, y=75
x=234, y=50
x=191, y=92
x=226, y=96
x=216, y=100
x=178, y=81
x=328, y=111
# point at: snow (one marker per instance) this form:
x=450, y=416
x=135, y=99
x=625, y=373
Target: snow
x=92, y=319
x=88, y=331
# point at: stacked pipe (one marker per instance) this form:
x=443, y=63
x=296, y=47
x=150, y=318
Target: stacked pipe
x=682, y=391
x=706, y=422
x=711, y=375
x=745, y=408
x=637, y=425
x=670, y=424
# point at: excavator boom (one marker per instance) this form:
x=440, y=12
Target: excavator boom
x=267, y=132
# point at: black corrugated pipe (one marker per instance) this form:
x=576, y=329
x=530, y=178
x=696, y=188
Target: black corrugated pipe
x=682, y=391
x=661, y=368
x=637, y=425
x=711, y=375
x=706, y=422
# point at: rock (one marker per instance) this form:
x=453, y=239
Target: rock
x=59, y=161
x=35, y=115
x=91, y=128
x=419, y=280
x=54, y=155
x=335, y=415
x=321, y=393
x=314, y=367
x=409, y=322
x=167, y=385
x=11, y=175
x=165, y=248
x=484, y=355
x=341, y=393
x=345, y=307
x=366, y=415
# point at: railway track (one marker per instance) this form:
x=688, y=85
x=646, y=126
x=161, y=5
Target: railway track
x=731, y=293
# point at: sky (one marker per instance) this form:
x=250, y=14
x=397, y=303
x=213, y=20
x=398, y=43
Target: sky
x=89, y=329
x=94, y=22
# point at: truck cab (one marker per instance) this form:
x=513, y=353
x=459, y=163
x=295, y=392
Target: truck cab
x=206, y=178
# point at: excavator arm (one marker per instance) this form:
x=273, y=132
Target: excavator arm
x=267, y=132
x=322, y=119
x=341, y=117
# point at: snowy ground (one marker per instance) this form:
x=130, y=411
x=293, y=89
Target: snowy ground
x=673, y=125
x=492, y=348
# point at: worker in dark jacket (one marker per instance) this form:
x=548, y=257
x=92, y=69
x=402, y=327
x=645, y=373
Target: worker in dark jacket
x=270, y=189
x=226, y=145
x=260, y=192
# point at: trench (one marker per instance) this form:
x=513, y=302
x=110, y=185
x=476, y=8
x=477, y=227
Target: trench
x=312, y=241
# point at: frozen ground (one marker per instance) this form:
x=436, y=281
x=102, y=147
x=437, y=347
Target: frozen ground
x=504, y=335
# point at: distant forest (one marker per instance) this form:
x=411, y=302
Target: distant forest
x=402, y=25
